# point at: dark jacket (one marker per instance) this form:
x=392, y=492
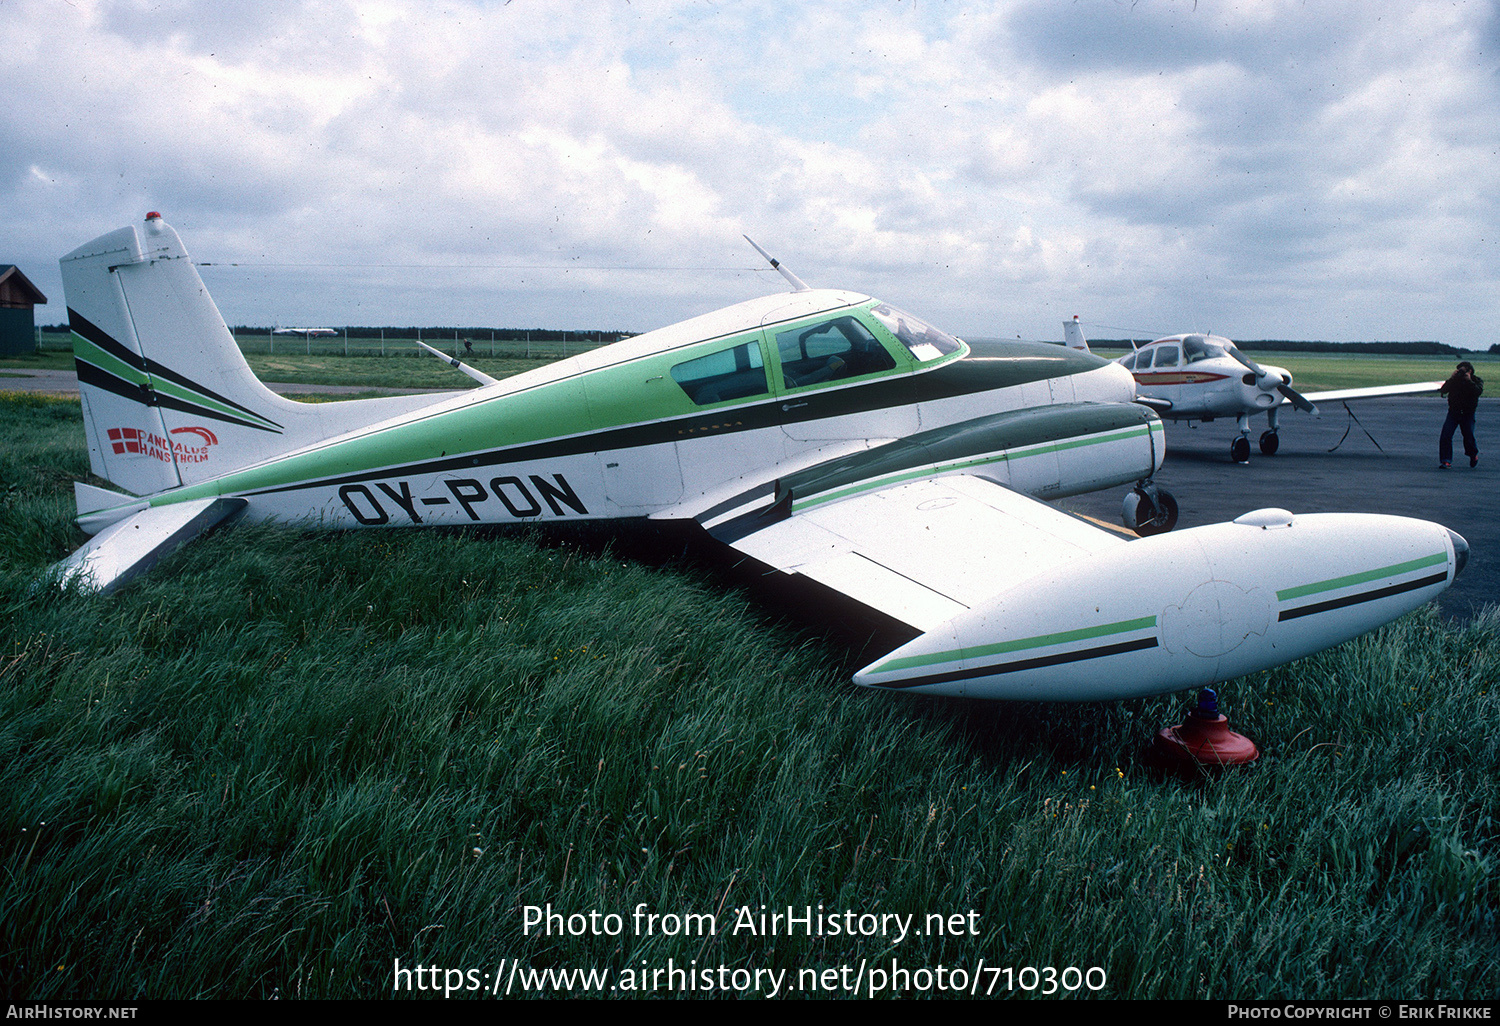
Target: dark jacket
x=1463, y=395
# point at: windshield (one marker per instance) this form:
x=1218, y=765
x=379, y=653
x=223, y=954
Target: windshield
x=1197, y=347
x=923, y=340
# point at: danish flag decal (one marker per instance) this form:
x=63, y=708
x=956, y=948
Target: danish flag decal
x=140, y=442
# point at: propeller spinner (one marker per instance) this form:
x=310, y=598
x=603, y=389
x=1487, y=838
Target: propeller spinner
x=1270, y=382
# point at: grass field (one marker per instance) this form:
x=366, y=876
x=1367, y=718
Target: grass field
x=287, y=761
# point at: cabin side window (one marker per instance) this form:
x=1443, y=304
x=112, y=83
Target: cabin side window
x=840, y=348
x=1167, y=356
x=738, y=373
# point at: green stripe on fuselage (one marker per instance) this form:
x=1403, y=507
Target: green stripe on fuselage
x=593, y=411
x=1350, y=580
x=1014, y=434
x=92, y=353
x=1018, y=645
x=88, y=352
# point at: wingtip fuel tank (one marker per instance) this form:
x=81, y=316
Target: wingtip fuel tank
x=1182, y=610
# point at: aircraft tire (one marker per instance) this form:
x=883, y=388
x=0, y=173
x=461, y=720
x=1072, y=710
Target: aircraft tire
x=1146, y=516
x=1269, y=443
x=1239, y=450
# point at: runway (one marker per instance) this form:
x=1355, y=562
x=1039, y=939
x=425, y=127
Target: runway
x=1358, y=477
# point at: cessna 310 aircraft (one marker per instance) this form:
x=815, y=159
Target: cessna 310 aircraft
x=1202, y=377
x=820, y=432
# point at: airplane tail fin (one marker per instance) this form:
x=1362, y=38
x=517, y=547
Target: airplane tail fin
x=1073, y=335
x=168, y=398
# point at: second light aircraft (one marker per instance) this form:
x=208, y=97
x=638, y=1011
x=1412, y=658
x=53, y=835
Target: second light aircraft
x=1204, y=377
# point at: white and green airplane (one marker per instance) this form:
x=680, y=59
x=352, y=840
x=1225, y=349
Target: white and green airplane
x=823, y=433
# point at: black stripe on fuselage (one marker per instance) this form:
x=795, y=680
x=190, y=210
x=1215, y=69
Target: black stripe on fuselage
x=99, y=337
x=1365, y=596
x=986, y=369
x=89, y=374
x=1017, y=665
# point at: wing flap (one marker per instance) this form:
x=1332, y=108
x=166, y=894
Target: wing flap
x=132, y=546
x=925, y=551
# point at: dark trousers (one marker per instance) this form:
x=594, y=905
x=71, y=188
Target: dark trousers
x=1465, y=422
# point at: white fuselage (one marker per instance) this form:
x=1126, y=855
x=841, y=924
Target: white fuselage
x=1201, y=381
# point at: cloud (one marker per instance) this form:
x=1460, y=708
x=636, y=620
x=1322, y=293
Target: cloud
x=1269, y=166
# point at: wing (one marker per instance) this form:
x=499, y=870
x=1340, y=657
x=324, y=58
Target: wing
x=926, y=551
x=1373, y=392
x=1016, y=600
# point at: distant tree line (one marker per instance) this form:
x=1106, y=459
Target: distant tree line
x=559, y=334
x=365, y=331
x=427, y=334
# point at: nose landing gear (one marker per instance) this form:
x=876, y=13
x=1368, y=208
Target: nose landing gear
x=1149, y=510
x=1270, y=441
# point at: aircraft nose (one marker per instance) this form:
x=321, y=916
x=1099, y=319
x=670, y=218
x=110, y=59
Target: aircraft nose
x=1460, y=552
x=1123, y=382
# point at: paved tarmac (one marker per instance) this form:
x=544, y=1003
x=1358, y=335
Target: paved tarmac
x=1358, y=477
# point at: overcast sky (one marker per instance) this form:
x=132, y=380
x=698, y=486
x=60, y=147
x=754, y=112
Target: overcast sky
x=1262, y=169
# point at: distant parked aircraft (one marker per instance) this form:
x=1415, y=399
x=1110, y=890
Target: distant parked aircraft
x=1203, y=377
x=305, y=332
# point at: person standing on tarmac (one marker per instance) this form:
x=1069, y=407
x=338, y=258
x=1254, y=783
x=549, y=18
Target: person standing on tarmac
x=1463, y=390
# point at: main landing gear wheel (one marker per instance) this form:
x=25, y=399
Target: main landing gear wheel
x=1148, y=514
x=1269, y=443
x=1239, y=450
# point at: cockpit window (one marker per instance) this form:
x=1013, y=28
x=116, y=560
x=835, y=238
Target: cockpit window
x=1166, y=356
x=840, y=348
x=737, y=373
x=1198, y=348
x=923, y=340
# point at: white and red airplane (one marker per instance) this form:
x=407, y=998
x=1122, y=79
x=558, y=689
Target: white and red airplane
x=1204, y=377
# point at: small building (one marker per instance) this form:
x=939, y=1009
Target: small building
x=17, y=322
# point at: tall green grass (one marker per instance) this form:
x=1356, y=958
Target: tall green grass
x=285, y=760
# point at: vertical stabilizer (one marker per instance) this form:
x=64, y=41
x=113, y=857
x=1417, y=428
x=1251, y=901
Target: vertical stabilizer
x=1073, y=335
x=167, y=396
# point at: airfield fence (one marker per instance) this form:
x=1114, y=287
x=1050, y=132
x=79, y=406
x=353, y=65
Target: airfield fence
x=484, y=342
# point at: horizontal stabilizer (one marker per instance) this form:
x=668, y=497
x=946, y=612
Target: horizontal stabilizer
x=134, y=545
x=453, y=361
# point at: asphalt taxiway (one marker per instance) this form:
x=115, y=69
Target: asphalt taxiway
x=1400, y=476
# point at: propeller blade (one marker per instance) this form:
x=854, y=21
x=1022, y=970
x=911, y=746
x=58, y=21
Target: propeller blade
x=1250, y=365
x=1298, y=400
